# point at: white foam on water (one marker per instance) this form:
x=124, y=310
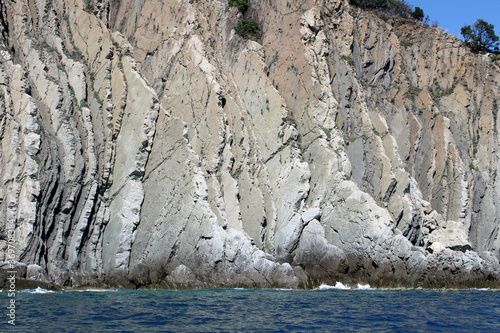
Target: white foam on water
x=364, y=287
x=325, y=287
x=338, y=285
x=38, y=290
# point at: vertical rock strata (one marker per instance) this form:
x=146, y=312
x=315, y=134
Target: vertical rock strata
x=145, y=144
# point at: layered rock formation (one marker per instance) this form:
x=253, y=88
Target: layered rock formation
x=144, y=143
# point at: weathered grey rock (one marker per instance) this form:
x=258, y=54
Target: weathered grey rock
x=316, y=256
x=451, y=235
x=182, y=277
x=437, y=247
x=19, y=268
x=35, y=272
x=310, y=214
x=288, y=236
x=139, y=275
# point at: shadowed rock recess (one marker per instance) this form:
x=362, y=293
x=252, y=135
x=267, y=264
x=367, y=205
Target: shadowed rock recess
x=145, y=144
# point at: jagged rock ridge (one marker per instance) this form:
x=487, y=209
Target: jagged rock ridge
x=143, y=143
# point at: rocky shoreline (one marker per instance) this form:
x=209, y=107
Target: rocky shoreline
x=482, y=274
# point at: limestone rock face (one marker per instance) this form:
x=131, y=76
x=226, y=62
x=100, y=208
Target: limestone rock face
x=146, y=144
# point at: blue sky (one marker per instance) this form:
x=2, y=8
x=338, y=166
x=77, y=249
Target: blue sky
x=453, y=15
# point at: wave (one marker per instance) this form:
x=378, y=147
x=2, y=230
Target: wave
x=38, y=290
x=96, y=290
x=364, y=287
x=341, y=286
x=338, y=285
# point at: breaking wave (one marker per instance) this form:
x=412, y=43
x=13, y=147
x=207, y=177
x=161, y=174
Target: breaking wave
x=38, y=290
x=364, y=287
x=338, y=285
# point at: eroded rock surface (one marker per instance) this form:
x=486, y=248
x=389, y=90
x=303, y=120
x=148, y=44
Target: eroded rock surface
x=145, y=144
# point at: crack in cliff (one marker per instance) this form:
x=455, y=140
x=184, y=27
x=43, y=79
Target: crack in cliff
x=167, y=158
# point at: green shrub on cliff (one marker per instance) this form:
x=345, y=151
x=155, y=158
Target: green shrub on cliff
x=397, y=7
x=247, y=28
x=242, y=5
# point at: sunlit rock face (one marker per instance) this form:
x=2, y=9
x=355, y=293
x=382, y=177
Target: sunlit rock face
x=145, y=144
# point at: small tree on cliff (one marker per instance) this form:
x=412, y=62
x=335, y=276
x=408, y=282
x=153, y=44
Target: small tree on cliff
x=247, y=28
x=242, y=5
x=481, y=36
x=418, y=14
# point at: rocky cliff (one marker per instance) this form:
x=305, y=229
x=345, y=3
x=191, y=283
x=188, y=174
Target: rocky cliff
x=144, y=143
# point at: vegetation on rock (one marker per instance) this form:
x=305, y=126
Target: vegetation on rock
x=242, y=5
x=397, y=7
x=247, y=28
x=418, y=14
x=481, y=36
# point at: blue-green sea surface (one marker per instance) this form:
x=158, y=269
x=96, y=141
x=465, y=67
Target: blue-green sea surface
x=237, y=310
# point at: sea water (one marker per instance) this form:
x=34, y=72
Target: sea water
x=326, y=309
